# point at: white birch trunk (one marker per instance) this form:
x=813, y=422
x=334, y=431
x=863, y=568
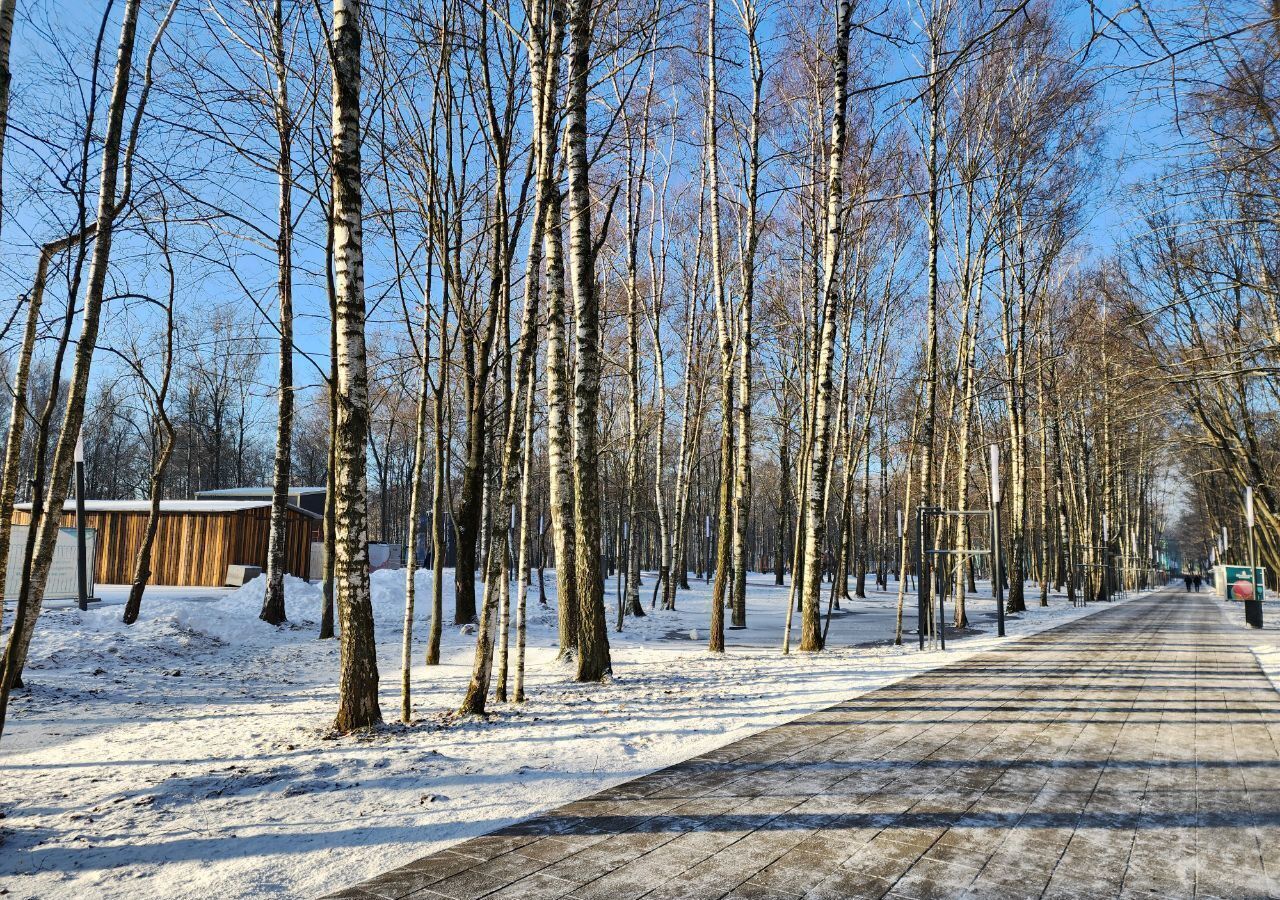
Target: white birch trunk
x=273, y=605
x=819, y=460
x=358, y=661
x=593, y=640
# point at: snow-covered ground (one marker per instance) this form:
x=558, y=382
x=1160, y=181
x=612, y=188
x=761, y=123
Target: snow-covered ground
x=188, y=755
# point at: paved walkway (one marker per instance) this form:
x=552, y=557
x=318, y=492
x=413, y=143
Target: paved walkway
x=1135, y=753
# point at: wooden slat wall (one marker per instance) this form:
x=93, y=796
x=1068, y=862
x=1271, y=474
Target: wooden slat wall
x=191, y=548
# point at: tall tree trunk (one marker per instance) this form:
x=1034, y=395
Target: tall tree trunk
x=449, y=270
x=1011, y=330
x=470, y=513
x=1046, y=513
x=968, y=394
x=904, y=522
x=559, y=434
x=820, y=457
x=1064, y=557
x=522, y=539
x=593, y=638
x=439, y=476
x=665, y=575
x=6, y=78
x=415, y=501
x=167, y=436
x=724, y=526
x=273, y=606
x=358, y=673
x=635, y=181
x=742, y=474
x=929, y=414
x=559, y=419
x=327, y=625
x=689, y=434
x=862, y=550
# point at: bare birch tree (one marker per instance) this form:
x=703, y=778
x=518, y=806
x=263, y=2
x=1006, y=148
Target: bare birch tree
x=593, y=640
x=820, y=452
x=358, y=674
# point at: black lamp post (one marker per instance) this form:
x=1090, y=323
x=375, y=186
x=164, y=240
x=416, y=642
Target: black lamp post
x=707, y=557
x=1106, y=558
x=899, y=553
x=1253, y=605
x=997, y=579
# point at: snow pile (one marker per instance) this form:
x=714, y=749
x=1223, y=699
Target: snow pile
x=233, y=619
x=386, y=587
x=175, y=625
x=68, y=637
x=168, y=625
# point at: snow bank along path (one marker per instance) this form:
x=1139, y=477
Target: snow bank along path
x=187, y=756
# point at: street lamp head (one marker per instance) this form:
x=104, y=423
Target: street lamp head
x=995, y=473
x=80, y=448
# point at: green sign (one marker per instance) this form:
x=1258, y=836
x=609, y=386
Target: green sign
x=1241, y=583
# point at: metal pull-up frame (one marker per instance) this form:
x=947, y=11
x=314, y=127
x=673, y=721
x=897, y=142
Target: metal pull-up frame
x=1106, y=580
x=925, y=553
x=1140, y=569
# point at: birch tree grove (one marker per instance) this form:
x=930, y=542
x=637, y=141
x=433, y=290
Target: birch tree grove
x=603, y=323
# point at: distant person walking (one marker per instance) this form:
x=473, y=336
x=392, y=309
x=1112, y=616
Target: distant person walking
x=1196, y=581
x=1186, y=579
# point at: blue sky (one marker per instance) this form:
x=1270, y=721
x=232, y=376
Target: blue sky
x=1138, y=142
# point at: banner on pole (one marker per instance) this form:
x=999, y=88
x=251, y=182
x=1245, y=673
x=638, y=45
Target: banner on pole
x=1243, y=583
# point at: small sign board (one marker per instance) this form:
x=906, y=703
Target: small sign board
x=384, y=556
x=62, y=573
x=1243, y=583
x=315, y=568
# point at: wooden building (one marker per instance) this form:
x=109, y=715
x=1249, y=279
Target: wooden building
x=196, y=540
